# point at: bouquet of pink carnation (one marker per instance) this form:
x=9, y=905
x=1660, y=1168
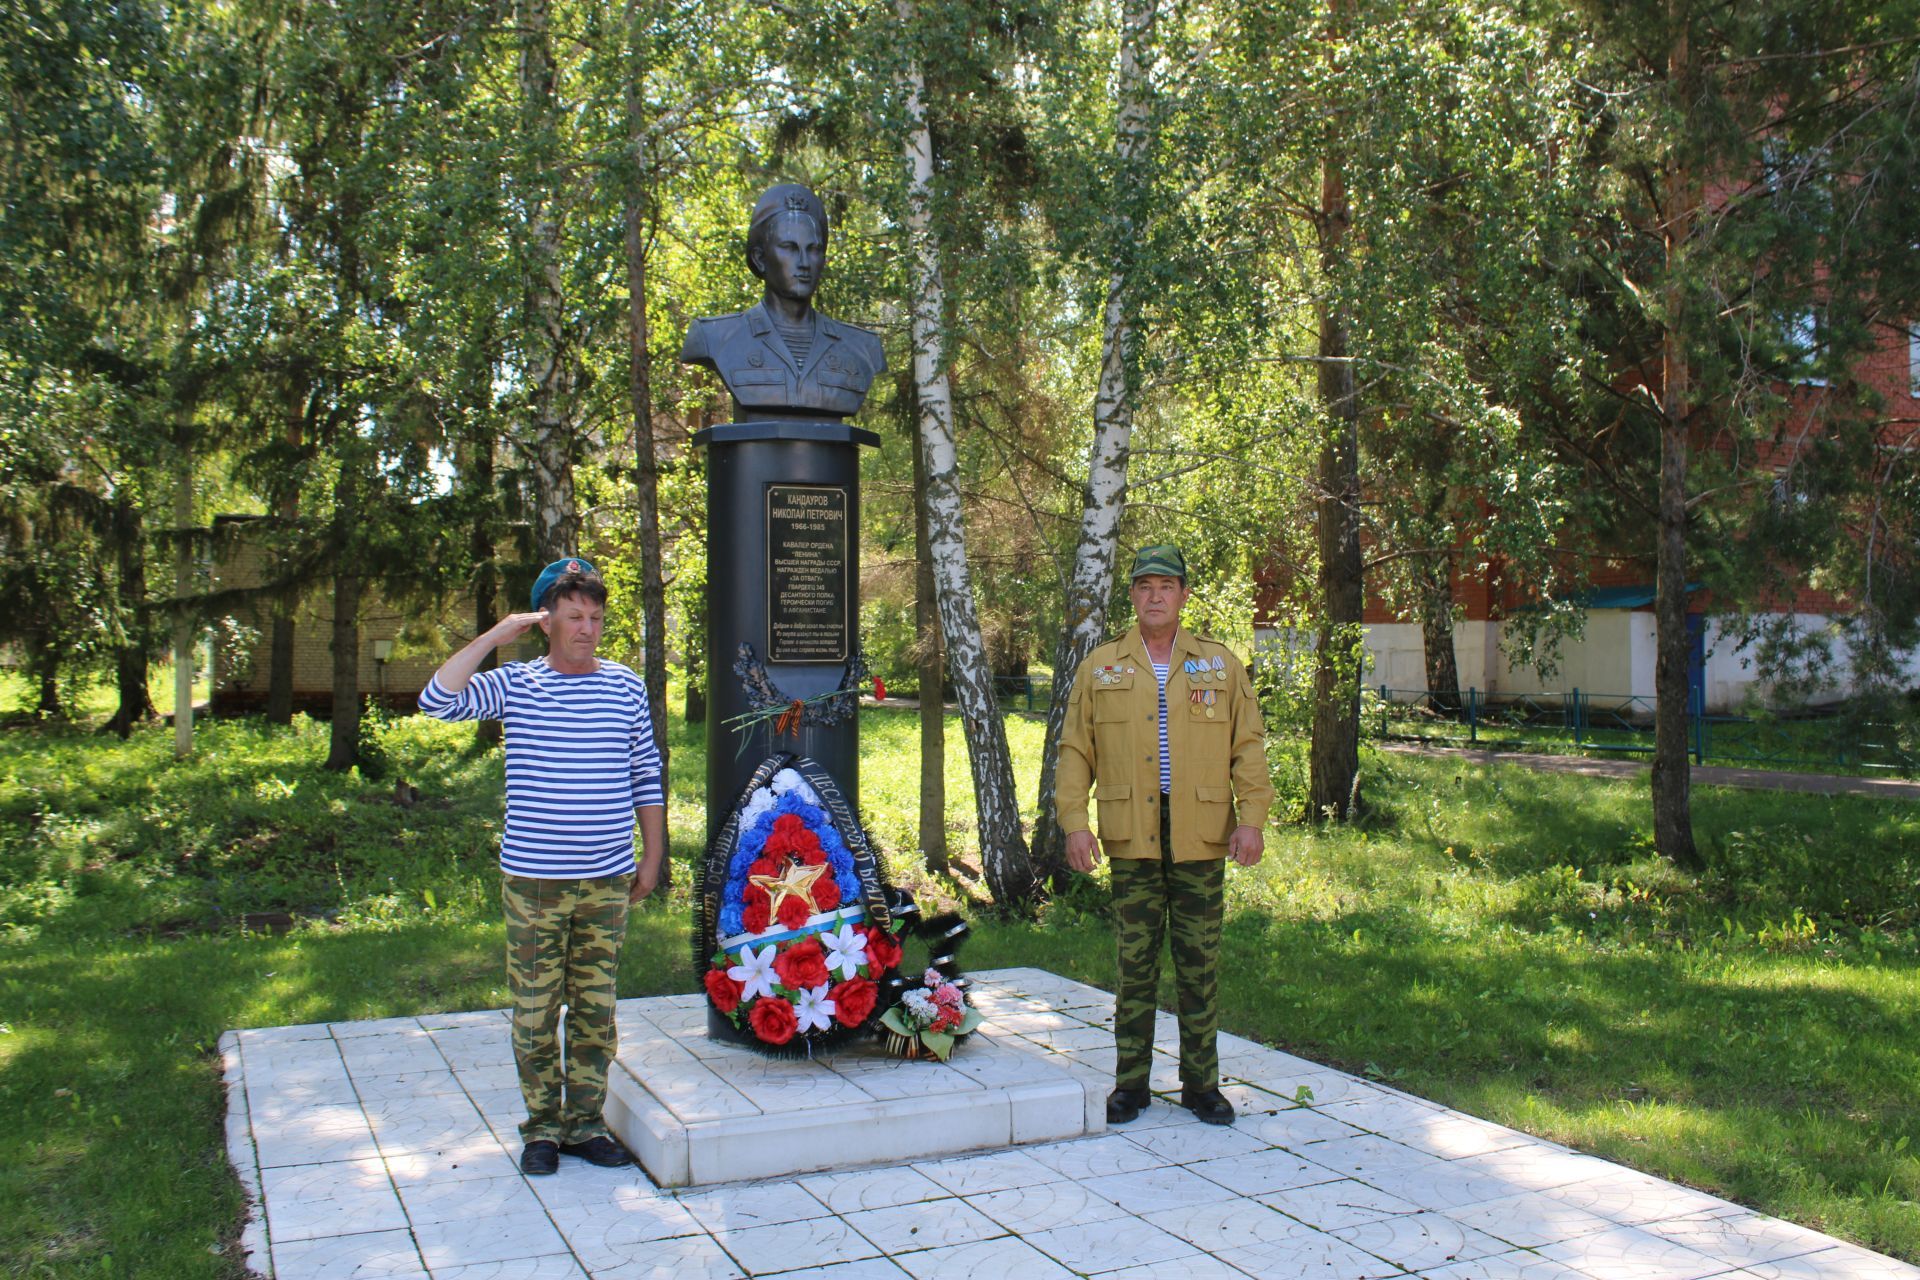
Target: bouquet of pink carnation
x=930, y=1016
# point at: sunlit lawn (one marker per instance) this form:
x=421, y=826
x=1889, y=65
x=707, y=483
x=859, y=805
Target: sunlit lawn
x=93, y=701
x=1500, y=941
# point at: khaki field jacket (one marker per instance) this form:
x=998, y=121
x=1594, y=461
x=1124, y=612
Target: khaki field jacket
x=1112, y=734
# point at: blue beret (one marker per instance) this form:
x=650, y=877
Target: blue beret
x=551, y=574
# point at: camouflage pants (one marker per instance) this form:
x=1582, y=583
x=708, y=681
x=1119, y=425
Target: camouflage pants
x=563, y=948
x=1154, y=898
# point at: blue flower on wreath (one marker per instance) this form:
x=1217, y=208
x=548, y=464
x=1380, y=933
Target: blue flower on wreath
x=753, y=842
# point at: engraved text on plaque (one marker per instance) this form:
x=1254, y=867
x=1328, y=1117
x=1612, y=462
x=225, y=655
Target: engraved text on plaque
x=807, y=570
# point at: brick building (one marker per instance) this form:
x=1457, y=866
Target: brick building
x=393, y=669
x=1615, y=654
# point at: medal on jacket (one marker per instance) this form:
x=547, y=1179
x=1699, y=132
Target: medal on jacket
x=1209, y=695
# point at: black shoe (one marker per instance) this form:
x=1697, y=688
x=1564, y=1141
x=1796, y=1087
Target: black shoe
x=1209, y=1104
x=600, y=1150
x=1126, y=1104
x=540, y=1157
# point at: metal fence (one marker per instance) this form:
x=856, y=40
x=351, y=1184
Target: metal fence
x=1798, y=737
x=1023, y=693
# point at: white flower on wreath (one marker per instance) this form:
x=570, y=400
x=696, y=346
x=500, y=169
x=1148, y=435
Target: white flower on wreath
x=815, y=1011
x=754, y=973
x=759, y=803
x=846, y=949
x=920, y=1005
x=789, y=780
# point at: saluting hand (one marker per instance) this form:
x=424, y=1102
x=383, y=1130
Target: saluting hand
x=515, y=625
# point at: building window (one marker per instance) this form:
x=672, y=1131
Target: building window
x=1804, y=342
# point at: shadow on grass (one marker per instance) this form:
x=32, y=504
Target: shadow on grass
x=112, y=1077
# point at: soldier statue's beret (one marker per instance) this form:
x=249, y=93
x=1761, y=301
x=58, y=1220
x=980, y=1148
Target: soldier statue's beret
x=788, y=197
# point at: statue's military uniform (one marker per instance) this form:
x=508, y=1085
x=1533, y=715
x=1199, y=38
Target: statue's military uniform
x=1167, y=849
x=750, y=356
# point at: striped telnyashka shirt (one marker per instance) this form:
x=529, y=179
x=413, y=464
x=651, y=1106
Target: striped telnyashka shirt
x=580, y=759
x=1160, y=673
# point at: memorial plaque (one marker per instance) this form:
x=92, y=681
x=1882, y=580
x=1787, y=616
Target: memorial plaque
x=807, y=573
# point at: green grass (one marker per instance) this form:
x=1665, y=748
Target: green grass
x=1501, y=941
x=93, y=700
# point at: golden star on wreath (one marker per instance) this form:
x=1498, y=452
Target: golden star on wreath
x=796, y=881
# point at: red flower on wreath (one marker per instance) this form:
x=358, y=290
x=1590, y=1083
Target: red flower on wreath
x=772, y=1019
x=793, y=912
x=763, y=867
x=788, y=836
x=755, y=917
x=853, y=1000
x=826, y=894
x=883, y=952
x=803, y=965
x=722, y=990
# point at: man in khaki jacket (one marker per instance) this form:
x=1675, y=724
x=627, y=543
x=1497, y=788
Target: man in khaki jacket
x=1168, y=724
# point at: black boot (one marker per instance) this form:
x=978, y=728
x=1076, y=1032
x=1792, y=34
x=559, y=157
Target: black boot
x=1209, y=1104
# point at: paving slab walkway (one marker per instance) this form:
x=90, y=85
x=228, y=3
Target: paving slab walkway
x=1706, y=775
x=386, y=1149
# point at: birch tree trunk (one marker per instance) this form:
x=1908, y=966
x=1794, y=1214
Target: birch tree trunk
x=932, y=662
x=1334, y=757
x=1003, y=848
x=1104, y=498
x=1672, y=772
x=548, y=372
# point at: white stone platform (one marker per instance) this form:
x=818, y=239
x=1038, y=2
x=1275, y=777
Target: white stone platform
x=386, y=1149
x=693, y=1110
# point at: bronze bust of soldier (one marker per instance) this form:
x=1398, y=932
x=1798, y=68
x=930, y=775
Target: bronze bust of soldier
x=780, y=358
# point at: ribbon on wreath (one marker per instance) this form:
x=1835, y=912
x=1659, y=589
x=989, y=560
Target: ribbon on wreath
x=710, y=877
x=866, y=864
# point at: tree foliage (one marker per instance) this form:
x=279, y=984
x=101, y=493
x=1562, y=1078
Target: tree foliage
x=405, y=283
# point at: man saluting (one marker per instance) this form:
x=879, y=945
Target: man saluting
x=1167, y=721
x=581, y=767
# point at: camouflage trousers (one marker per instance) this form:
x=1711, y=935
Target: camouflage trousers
x=563, y=949
x=1152, y=899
